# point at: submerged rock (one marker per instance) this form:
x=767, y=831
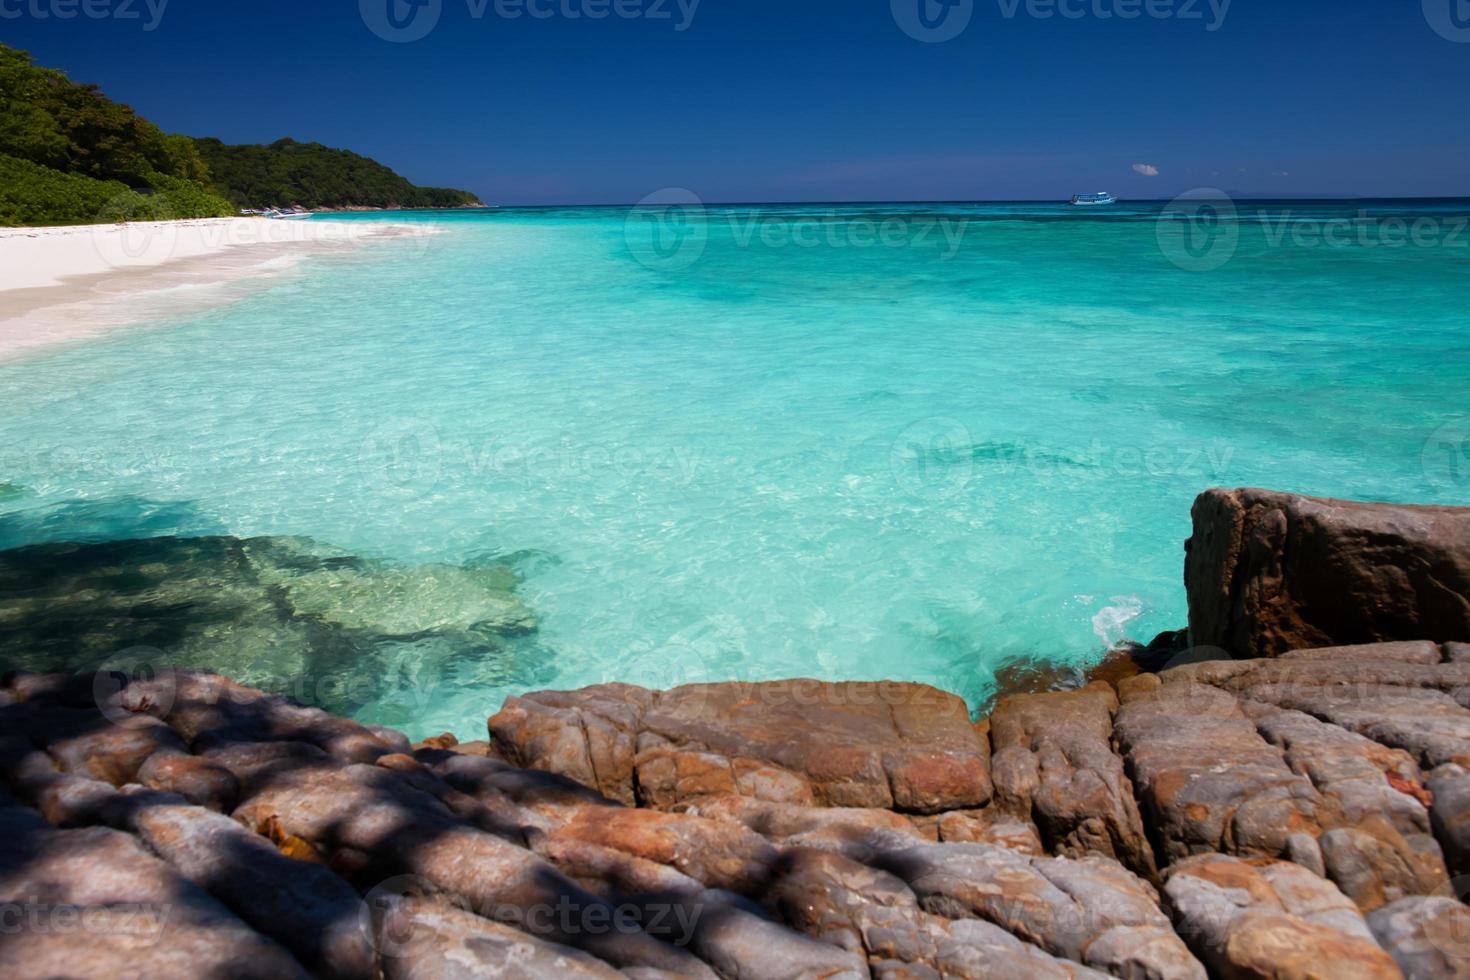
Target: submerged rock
x=269, y=612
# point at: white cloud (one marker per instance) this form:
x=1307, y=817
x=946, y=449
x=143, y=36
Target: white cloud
x=1147, y=169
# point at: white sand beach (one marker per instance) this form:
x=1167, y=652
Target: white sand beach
x=64, y=284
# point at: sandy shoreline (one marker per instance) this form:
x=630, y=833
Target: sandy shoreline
x=65, y=284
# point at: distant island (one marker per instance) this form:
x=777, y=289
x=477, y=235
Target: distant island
x=70, y=155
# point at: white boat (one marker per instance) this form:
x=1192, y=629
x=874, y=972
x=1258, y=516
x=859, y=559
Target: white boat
x=1093, y=200
x=287, y=215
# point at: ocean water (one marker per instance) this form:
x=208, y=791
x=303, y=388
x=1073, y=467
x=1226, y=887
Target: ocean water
x=916, y=442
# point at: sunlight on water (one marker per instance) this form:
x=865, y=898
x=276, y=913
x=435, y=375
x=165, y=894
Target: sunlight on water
x=753, y=444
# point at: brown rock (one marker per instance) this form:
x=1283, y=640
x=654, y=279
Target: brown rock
x=1092, y=911
x=1380, y=848
x=1271, y=920
x=1428, y=936
x=900, y=746
x=1450, y=814
x=586, y=735
x=1054, y=764
x=301, y=905
x=407, y=832
x=1270, y=572
x=990, y=827
x=200, y=781
x=94, y=903
x=874, y=913
x=718, y=854
x=102, y=750
x=211, y=712
x=1207, y=779
x=423, y=939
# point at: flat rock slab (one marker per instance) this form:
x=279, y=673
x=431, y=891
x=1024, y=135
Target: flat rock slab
x=892, y=746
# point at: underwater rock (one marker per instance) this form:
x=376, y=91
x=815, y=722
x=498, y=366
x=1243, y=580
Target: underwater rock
x=285, y=614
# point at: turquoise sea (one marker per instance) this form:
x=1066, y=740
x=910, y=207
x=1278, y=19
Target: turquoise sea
x=916, y=442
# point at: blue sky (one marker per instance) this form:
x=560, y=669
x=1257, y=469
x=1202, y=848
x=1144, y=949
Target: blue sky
x=807, y=100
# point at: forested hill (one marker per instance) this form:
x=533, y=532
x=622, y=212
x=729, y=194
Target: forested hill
x=287, y=173
x=70, y=155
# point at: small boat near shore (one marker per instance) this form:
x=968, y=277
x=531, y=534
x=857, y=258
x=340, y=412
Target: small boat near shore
x=1093, y=200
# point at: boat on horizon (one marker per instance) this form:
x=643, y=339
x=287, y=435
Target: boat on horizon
x=1093, y=200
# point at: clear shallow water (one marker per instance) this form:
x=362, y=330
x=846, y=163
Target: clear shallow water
x=759, y=443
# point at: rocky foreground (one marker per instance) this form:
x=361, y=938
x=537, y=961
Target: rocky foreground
x=1303, y=814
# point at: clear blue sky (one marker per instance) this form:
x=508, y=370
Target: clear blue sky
x=808, y=100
